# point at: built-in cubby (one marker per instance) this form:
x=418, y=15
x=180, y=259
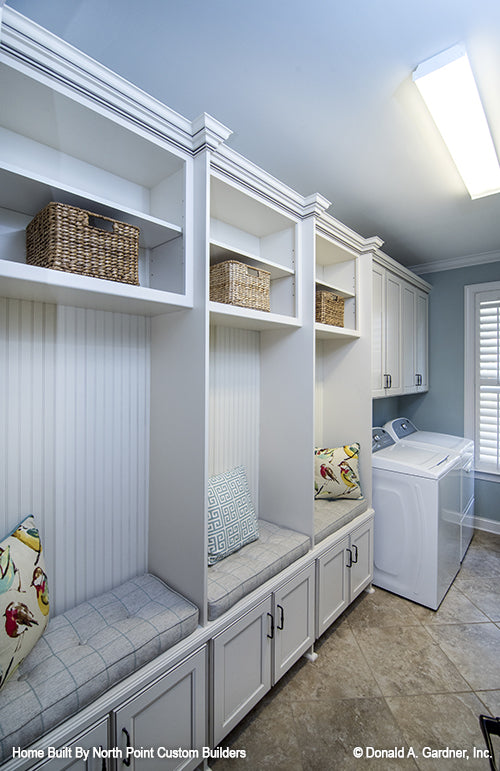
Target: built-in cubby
x=46, y=155
x=256, y=233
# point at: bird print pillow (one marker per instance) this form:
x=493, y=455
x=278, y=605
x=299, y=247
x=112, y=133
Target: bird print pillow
x=24, y=596
x=336, y=472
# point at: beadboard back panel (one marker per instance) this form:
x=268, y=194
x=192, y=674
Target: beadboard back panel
x=234, y=406
x=74, y=439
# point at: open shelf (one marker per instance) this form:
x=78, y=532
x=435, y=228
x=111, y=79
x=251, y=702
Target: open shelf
x=329, y=332
x=30, y=282
x=247, y=318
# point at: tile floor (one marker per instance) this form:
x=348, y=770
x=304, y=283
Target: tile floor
x=390, y=674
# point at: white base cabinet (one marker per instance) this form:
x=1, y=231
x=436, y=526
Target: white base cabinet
x=343, y=570
x=165, y=716
x=74, y=757
x=256, y=650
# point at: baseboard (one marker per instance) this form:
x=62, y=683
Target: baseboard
x=488, y=525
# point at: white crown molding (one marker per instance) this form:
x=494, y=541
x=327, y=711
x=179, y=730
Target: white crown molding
x=229, y=164
x=466, y=261
x=208, y=133
x=37, y=52
x=401, y=270
x=336, y=231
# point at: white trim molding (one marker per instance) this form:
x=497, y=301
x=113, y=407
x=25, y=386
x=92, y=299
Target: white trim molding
x=471, y=369
x=465, y=261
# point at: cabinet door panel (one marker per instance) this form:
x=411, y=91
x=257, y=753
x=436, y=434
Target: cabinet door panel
x=421, y=339
x=242, y=668
x=294, y=621
x=169, y=714
x=378, y=331
x=91, y=741
x=361, y=571
x=332, y=585
x=393, y=333
x=408, y=354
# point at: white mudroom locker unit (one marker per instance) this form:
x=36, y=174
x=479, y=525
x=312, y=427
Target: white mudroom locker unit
x=121, y=401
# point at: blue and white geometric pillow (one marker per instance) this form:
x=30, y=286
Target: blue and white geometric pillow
x=232, y=521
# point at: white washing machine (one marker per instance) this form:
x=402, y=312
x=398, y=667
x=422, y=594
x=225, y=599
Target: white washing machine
x=404, y=429
x=416, y=496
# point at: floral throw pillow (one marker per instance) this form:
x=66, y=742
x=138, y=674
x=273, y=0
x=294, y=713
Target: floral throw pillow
x=232, y=521
x=336, y=473
x=24, y=596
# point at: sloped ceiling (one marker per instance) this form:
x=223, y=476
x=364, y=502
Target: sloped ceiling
x=318, y=93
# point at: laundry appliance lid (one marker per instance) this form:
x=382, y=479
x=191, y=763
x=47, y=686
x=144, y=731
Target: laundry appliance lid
x=407, y=458
x=403, y=428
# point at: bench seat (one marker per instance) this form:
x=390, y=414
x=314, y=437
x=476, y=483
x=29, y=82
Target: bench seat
x=237, y=575
x=85, y=651
x=330, y=516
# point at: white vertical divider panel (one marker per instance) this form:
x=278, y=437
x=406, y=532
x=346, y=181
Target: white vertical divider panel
x=347, y=382
x=179, y=407
x=287, y=406
x=75, y=439
x=319, y=391
x=234, y=428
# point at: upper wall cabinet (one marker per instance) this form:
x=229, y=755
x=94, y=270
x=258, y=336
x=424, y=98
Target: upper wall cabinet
x=399, y=329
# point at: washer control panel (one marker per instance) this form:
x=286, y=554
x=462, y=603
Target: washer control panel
x=381, y=439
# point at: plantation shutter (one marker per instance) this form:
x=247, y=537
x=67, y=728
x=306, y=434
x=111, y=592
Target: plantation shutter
x=488, y=381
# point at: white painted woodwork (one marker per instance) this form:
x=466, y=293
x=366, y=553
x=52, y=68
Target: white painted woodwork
x=332, y=585
x=399, y=329
x=294, y=617
x=91, y=740
x=234, y=409
x=75, y=440
x=169, y=713
x=343, y=569
x=241, y=667
x=361, y=570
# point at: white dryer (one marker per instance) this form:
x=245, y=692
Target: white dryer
x=404, y=429
x=416, y=497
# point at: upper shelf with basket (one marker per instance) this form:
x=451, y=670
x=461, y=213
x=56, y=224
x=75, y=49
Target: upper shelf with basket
x=65, y=153
x=252, y=260
x=336, y=288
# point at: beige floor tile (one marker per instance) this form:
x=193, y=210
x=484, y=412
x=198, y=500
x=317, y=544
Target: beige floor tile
x=484, y=593
x=381, y=609
x=455, y=607
x=340, y=671
x=438, y=722
x=491, y=700
x=268, y=738
x=329, y=733
x=406, y=660
x=474, y=649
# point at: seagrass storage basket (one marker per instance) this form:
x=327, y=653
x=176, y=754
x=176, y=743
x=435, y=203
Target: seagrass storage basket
x=329, y=308
x=74, y=240
x=235, y=283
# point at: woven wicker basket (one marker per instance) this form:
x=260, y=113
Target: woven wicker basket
x=235, y=283
x=66, y=238
x=329, y=308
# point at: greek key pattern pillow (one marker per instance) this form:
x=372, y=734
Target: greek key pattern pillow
x=336, y=473
x=232, y=521
x=24, y=596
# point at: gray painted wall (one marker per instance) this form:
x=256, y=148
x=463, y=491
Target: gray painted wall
x=442, y=407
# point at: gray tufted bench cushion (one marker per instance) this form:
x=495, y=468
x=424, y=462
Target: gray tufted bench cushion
x=85, y=651
x=235, y=576
x=330, y=516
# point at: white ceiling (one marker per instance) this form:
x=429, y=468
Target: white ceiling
x=318, y=93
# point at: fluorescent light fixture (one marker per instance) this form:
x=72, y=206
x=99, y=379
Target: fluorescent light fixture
x=449, y=90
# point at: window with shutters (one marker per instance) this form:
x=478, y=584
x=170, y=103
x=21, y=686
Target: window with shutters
x=482, y=373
